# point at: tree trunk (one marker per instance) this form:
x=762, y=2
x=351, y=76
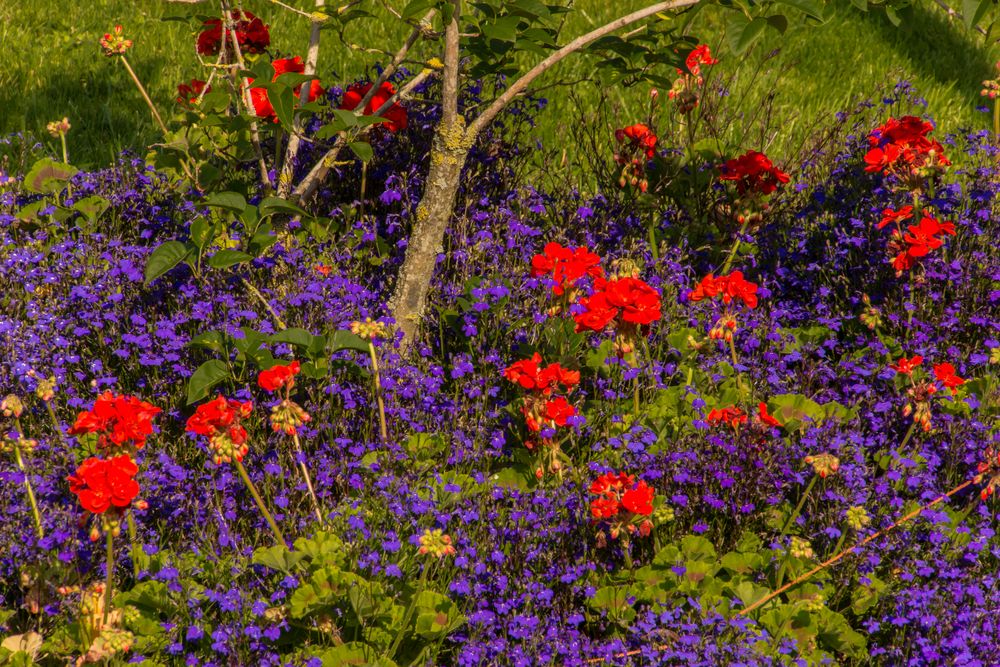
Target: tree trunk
x=448, y=154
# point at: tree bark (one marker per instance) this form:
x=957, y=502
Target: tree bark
x=448, y=153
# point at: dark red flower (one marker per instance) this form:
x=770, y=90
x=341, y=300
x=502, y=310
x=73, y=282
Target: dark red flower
x=251, y=34
x=219, y=421
x=753, y=172
x=189, y=93
x=622, y=502
x=262, y=103
x=730, y=288
x=764, y=418
x=640, y=138
x=700, y=55
x=276, y=377
x=639, y=499
x=566, y=266
x=529, y=374
x=903, y=145
x=101, y=484
x=119, y=421
x=395, y=115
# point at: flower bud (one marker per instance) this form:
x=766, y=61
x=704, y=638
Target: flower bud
x=12, y=406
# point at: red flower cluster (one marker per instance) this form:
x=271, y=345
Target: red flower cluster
x=101, y=484
x=251, y=34
x=623, y=503
x=890, y=216
x=395, y=115
x=764, y=418
x=219, y=421
x=906, y=366
x=119, y=421
x=531, y=375
x=730, y=288
x=262, y=103
x=640, y=139
x=754, y=173
x=919, y=240
x=945, y=374
x=638, y=148
x=700, y=55
x=276, y=377
x=903, y=146
x=550, y=413
x=732, y=416
x=624, y=301
x=566, y=266
x=189, y=93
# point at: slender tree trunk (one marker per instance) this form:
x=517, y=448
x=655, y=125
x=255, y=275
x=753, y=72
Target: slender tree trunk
x=449, y=151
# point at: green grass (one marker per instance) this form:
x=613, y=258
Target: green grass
x=57, y=70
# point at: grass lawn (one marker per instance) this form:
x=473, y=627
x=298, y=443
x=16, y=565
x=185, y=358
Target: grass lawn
x=59, y=71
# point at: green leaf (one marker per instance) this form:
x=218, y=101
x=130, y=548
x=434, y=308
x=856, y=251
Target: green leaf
x=354, y=654
x=278, y=557
x=810, y=8
x=697, y=547
x=165, y=257
x=742, y=33
x=272, y=205
x=216, y=341
x=208, y=375
x=227, y=257
x=297, y=337
x=362, y=149
x=346, y=340
x=232, y=201
x=974, y=10
x=415, y=8
x=47, y=175
x=504, y=29
x=779, y=22
x=425, y=446
x=92, y=207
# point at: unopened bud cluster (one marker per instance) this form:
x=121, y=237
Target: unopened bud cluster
x=288, y=416
x=436, y=543
x=800, y=548
x=857, y=518
x=369, y=329
x=58, y=128
x=823, y=465
x=114, y=43
x=11, y=406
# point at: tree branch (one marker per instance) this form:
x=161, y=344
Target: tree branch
x=580, y=42
x=449, y=79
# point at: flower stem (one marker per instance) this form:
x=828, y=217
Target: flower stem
x=133, y=538
x=305, y=474
x=735, y=248
x=383, y=430
x=109, y=576
x=145, y=96
x=260, y=503
x=635, y=398
x=798, y=508
x=830, y=561
x=408, y=615
x=31, y=492
x=996, y=120
x=55, y=422
x=278, y=322
x=732, y=350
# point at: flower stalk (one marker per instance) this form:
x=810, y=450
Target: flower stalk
x=260, y=502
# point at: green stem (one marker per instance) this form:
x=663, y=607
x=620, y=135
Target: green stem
x=635, y=397
x=732, y=350
x=996, y=120
x=408, y=615
x=260, y=503
x=906, y=438
x=382, y=428
x=798, y=508
x=145, y=96
x=55, y=422
x=110, y=567
x=308, y=479
x=65, y=153
x=133, y=538
x=653, y=244
x=627, y=554
x=31, y=492
x=735, y=248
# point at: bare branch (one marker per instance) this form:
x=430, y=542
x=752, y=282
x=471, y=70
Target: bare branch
x=449, y=79
x=519, y=86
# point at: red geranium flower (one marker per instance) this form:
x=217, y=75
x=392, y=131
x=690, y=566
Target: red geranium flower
x=262, y=103
x=732, y=416
x=104, y=483
x=554, y=412
x=395, y=115
x=119, y=421
x=764, y=417
x=251, y=34
x=906, y=366
x=628, y=300
x=640, y=138
x=529, y=374
x=700, y=55
x=219, y=421
x=276, y=377
x=903, y=145
x=890, y=216
x=730, y=288
x=753, y=172
x=945, y=373
x=566, y=266
x=623, y=503
x=189, y=93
